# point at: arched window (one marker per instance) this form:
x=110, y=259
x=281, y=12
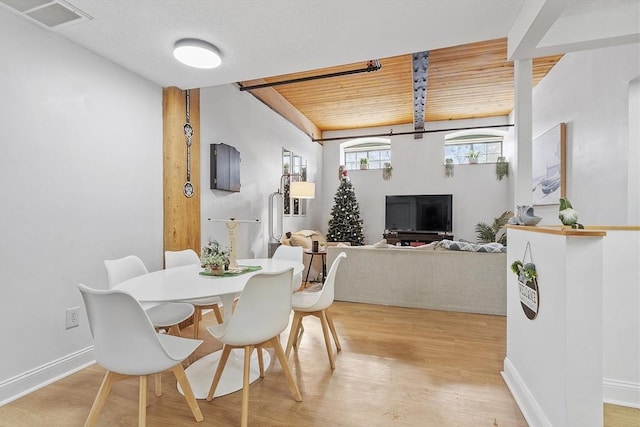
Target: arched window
x=377, y=151
x=483, y=145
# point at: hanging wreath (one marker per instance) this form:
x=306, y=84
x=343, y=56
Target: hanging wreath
x=528, y=284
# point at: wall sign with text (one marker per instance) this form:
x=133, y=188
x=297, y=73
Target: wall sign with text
x=529, y=297
x=527, y=284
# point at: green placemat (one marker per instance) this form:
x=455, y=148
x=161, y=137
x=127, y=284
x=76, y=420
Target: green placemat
x=242, y=269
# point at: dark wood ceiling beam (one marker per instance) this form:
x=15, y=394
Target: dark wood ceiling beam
x=420, y=72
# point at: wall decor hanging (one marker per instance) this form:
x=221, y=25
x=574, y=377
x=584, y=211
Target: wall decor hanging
x=188, y=189
x=527, y=283
x=548, y=166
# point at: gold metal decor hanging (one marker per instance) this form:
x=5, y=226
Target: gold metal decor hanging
x=188, y=189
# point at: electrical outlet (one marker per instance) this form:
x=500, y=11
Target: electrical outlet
x=73, y=317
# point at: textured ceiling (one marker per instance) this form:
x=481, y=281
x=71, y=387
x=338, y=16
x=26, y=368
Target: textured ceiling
x=264, y=38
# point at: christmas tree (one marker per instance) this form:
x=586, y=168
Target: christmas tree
x=345, y=224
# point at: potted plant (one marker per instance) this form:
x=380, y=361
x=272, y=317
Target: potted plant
x=214, y=258
x=448, y=167
x=285, y=168
x=525, y=272
x=495, y=232
x=502, y=167
x=364, y=163
x=473, y=156
x=386, y=171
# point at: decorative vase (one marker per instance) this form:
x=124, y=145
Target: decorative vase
x=526, y=215
x=215, y=270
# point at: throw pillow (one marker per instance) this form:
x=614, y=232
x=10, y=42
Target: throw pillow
x=473, y=247
x=298, y=240
x=431, y=245
x=381, y=244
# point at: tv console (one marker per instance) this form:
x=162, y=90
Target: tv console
x=408, y=238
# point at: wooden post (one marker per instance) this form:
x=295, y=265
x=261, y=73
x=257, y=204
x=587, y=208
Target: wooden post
x=181, y=213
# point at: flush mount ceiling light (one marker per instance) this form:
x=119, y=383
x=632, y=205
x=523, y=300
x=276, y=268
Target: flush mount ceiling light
x=197, y=53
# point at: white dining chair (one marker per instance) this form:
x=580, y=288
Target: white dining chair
x=126, y=344
x=291, y=253
x=163, y=315
x=317, y=303
x=261, y=314
x=190, y=257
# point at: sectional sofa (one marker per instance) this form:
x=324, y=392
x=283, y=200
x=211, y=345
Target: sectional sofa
x=424, y=277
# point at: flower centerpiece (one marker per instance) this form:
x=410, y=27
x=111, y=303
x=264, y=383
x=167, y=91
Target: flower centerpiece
x=214, y=257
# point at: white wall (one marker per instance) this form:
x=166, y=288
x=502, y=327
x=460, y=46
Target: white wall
x=238, y=119
x=592, y=92
x=418, y=168
x=621, y=318
x=81, y=180
x=554, y=364
x=589, y=91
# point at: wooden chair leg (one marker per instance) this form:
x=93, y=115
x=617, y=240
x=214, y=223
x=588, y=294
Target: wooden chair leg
x=197, y=314
x=101, y=397
x=217, y=313
x=327, y=341
x=175, y=330
x=293, y=333
x=333, y=330
x=158, y=383
x=142, y=402
x=277, y=347
x=226, y=351
x=260, y=361
x=245, y=385
x=181, y=377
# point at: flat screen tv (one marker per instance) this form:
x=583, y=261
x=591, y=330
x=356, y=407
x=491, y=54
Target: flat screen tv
x=430, y=213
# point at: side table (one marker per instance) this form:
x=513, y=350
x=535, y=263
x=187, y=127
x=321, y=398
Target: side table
x=323, y=254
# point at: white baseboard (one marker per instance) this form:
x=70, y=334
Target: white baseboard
x=529, y=407
x=30, y=381
x=621, y=393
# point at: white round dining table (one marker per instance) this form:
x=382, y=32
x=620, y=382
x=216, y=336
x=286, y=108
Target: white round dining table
x=186, y=283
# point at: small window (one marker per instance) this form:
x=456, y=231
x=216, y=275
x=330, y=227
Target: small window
x=377, y=152
x=483, y=146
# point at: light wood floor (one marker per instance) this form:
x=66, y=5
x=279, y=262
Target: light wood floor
x=403, y=367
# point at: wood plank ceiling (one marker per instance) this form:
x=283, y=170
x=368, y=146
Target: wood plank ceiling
x=468, y=81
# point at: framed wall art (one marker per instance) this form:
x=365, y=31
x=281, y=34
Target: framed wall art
x=548, y=166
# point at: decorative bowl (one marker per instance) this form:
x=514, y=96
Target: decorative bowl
x=531, y=220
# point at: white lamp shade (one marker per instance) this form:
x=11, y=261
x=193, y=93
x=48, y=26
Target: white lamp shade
x=302, y=190
x=197, y=53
